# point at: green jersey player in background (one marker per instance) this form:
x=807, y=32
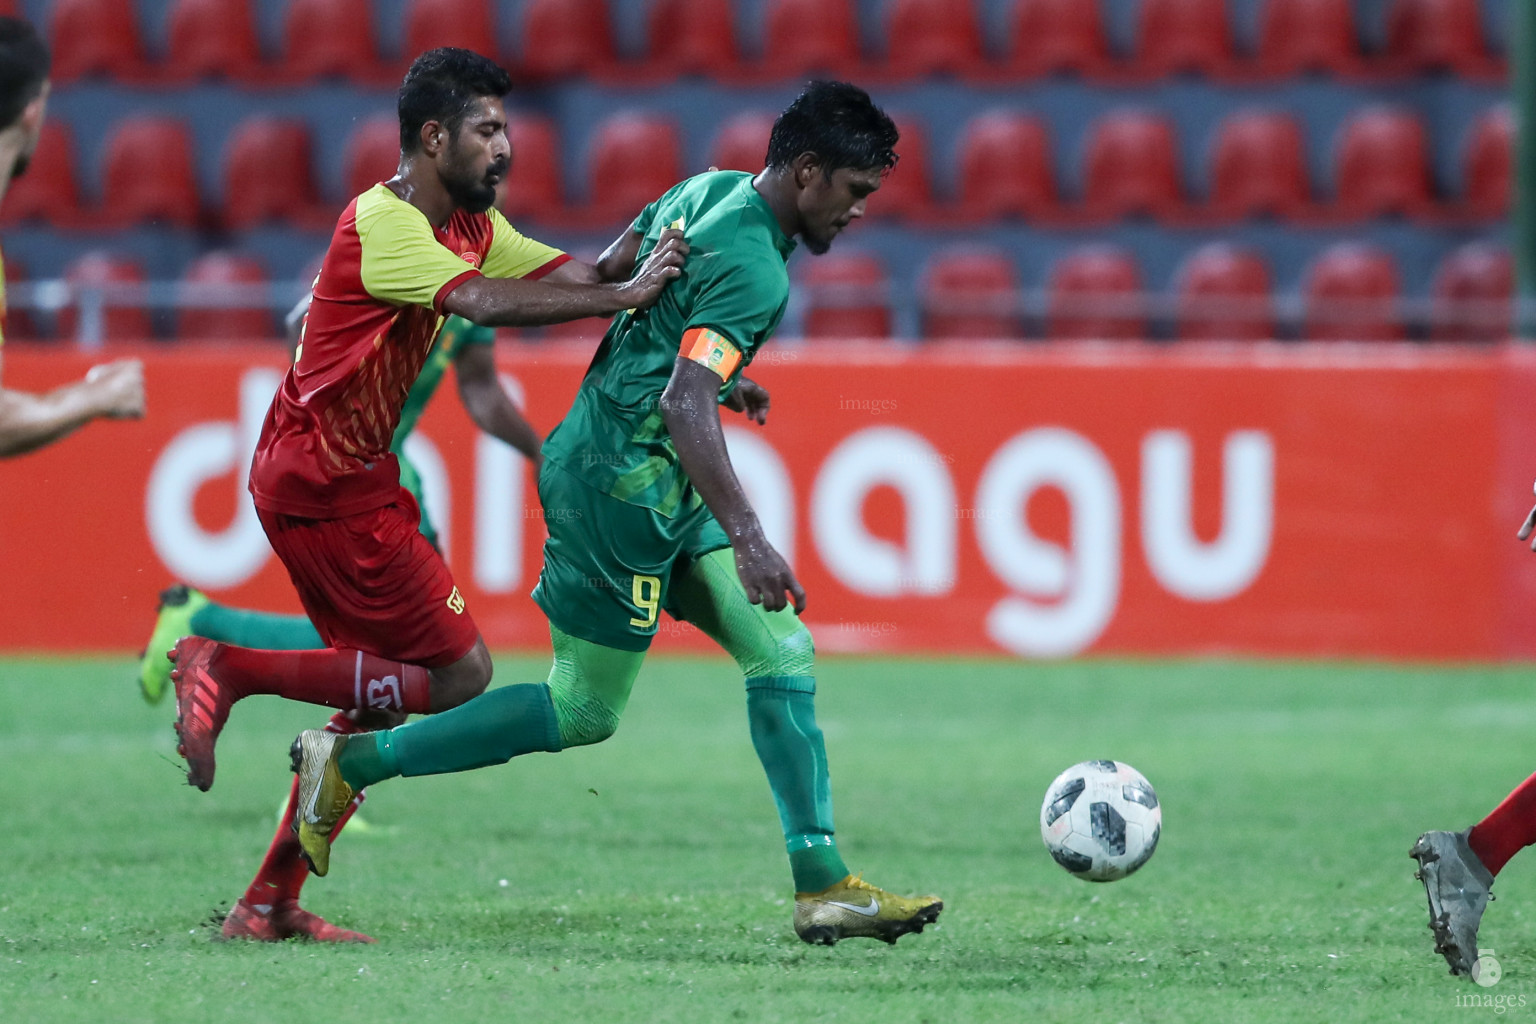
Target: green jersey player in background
x=654, y=519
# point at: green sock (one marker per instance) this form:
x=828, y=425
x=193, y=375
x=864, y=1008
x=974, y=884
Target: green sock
x=782, y=713
x=492, y=729
x=263, y=631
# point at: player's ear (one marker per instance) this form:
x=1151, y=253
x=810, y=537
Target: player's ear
x=806, y=167
x=434, y=138
x=32, y=113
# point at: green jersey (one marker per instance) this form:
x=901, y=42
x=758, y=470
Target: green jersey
x=725, y=305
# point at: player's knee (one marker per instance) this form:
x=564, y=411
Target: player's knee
x=789, y=654
x=583, y=718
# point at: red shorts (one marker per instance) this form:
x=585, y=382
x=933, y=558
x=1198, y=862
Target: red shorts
x=373, y=583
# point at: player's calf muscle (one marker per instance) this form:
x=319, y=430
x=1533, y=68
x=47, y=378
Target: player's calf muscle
x=463, y=680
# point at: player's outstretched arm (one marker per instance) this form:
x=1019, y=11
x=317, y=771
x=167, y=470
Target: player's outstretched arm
x=690, y=408
x=109, y=391
x=617, y=263
x=515, y=302
x=489, y=405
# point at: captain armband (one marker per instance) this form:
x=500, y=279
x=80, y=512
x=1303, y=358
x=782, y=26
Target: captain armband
x=712, y=349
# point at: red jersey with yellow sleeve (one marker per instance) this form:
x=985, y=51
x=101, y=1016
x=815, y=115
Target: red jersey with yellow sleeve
x=377, y=306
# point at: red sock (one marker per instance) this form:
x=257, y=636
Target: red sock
x=336, y=678
x=283, y=871
x=1510, y=828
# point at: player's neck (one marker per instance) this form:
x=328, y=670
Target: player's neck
x=778, y=191
x=423, y=190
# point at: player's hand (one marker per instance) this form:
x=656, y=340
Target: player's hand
x=663, y=264
x=766, y=576
x=1527, y=528
x=751, y=398
x=118, y=388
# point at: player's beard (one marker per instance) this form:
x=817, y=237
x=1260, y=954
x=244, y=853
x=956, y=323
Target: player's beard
x=23, y=161
x=472, y=192
x=816, y=245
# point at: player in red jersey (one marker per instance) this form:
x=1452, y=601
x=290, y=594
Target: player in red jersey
x=405, y=253
x=109, y=391
x=1458, y=868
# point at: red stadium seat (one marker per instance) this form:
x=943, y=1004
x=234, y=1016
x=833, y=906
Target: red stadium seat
x=803, y=37
x=691, y=37
x=1184, y=35
x=742, y=142
x=972, y=294
x=928, y=37
x=373, y=155
x=908, y=190
x=1308, y=35
x=1382, y=164
x=1006, y=167
x=1351, y=295
x=1051, y=36
x=48, y=191
x=95, y=37
x=565, y=38
x=1473, y=290
x=1224, y=296
x=211, y=39
x=533, y=190
x=1132, y=166
x=1438, y=35
x=463, y=23
x=87, y=276
x=223, y=279
x=267, y=174
x=1488, y=164
x=1096, y=293
x=847, y=295
x=1259, y=167
x=633, y=159
x=329, y=39
x=149, y=173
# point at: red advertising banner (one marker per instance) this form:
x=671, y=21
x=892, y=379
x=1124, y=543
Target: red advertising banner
x=1042, y=501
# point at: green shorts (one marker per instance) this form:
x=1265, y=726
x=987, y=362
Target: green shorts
x=608, y=565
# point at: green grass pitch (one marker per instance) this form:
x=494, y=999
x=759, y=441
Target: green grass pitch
x=645, y=880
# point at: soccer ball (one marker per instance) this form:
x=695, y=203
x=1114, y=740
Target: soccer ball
x=1100, y=820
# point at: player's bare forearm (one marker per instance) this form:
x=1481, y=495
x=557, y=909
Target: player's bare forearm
x=489, y=406
x=514, y=302
x=29, y=422
x=690, y=409
x=691, y=412
x=617, y=263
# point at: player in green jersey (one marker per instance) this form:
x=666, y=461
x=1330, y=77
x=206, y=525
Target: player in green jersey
x=185, y=611
x=653, y=518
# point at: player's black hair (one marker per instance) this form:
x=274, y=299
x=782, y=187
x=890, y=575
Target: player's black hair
x=441, y=85
x=23, y=68
x=840, y=124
